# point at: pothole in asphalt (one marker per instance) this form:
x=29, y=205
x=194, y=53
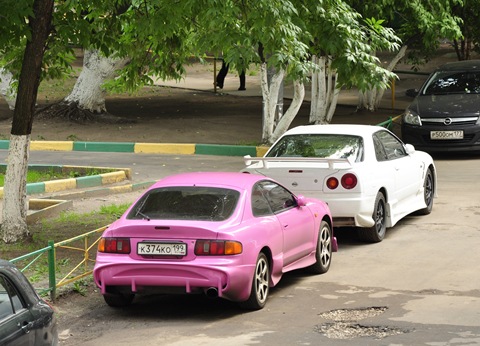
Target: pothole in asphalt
x=346, y=326
x=347, y=315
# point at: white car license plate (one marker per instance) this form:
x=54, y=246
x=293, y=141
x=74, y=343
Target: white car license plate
x=446, y=134
x=162, y=249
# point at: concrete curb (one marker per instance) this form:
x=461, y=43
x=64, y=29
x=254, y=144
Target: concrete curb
x=102, y=191
x=148, y=148
x=52, y=186
x=41, y=208
x=51, y=206
x=156, y=148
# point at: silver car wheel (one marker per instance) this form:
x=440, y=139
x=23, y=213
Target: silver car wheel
x=325, y=245
x=260, y=285
x=261, y=279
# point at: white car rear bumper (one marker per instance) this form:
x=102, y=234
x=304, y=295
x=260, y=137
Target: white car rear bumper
x=347, y=210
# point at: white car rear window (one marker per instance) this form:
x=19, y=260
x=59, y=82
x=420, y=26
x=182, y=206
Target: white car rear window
x=330, y=146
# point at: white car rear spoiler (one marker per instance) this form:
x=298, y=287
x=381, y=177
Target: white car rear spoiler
x=332, y=163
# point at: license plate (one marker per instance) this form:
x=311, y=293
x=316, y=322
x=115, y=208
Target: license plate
x=162, y=249
x=446, y=134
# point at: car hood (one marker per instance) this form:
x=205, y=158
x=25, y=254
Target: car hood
x=439, y=106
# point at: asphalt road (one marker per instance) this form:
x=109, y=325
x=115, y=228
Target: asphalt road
x=420, y=286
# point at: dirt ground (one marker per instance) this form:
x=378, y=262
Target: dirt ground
x=176, y=115
x=189, y=111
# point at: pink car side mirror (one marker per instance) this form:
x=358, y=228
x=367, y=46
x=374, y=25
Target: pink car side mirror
x=301, y=201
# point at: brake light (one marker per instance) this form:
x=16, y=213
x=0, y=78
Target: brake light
x=332, y=183
x=349, y=181
x=114, y=245
x=217, y=247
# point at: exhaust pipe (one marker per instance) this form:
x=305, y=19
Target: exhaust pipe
x=211, y=292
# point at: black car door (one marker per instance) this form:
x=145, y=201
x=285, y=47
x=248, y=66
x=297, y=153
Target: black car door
x=15, y=319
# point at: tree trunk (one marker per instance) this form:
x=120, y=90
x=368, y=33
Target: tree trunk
x=370, y=99
x=270, y=99
x=5, y=88
x=88, y=92
x=273, y=128
x=324, y=94
x=15, y=204
x=292, y=111
x=14, y=225
x=86, y=102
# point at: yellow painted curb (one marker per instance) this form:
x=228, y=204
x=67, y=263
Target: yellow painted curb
x=165, y=148
x=52, y=145
x=128, y=171
x=262, y=151
x=60, y=185
x=113, y=177
x=122, y=188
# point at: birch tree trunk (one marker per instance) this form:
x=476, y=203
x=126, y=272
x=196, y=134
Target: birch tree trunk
x=292, y=111
x=86, y=102
x=15, y=204
x=370, y=99
x=272, y=130
x=270, y=98
x=87, y=92
x=14, y=224
x=324, y=95
x=6, y=79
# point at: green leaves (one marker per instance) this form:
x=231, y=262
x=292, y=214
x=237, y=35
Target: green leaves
x=160, y=36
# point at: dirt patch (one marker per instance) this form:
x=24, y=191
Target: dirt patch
x=165, y=114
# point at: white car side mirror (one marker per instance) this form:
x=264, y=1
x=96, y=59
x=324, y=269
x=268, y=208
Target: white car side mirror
x=409, y=148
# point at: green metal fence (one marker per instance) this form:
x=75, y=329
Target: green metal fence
x=84, y=245
x=389, y=123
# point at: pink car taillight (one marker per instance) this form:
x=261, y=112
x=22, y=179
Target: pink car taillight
x=349, y=181
x=114, y=245
x=217, y=247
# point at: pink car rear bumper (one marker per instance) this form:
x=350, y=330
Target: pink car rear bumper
x=232, y=282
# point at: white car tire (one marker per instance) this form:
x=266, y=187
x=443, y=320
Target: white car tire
x=376, y=233
x=428, y=193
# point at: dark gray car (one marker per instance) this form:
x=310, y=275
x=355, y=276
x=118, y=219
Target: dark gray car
x=445, y=114
x=25, y=318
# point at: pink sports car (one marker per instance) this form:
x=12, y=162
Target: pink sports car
x=228, y=235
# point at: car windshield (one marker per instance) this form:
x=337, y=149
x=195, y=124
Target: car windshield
x=453, y=82
x=186, y=203
x=330, y=146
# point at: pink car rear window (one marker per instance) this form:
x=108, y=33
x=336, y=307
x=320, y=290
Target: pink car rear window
x=186, y=203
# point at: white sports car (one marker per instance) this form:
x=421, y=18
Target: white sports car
x=367, y=175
